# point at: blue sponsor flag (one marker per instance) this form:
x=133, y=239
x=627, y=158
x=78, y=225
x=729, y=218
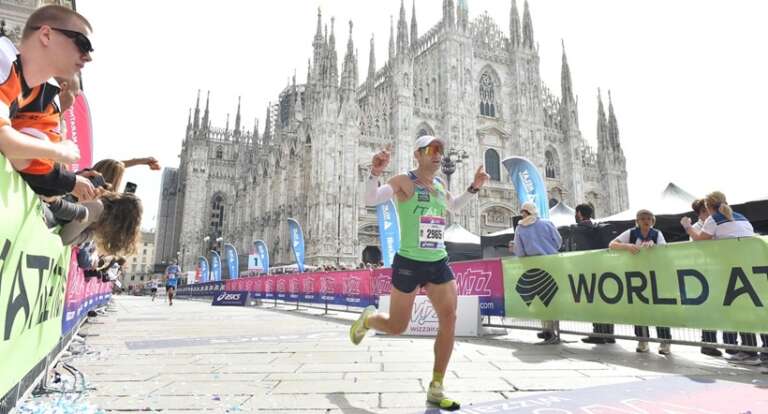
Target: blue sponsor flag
x=233, y=263
x=263, y=253
x=389, y=231
x=202, y=263
x=297, y=242
x=528, y=183
x=215, y=266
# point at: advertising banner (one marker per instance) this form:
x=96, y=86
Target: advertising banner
x=482, y=278
x=75, y=295
x=297, y=243
x=233, y=262
x=215, y=266
x=230, y=298
x=718, y=285
x=263, y=253
x=77, y=122
x=202, y=266
x=33, y=272
x=389, y=231
x=528, y=183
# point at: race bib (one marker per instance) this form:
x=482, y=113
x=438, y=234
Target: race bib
x=431, y=232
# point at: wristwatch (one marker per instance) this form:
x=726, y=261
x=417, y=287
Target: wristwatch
x=472, y=190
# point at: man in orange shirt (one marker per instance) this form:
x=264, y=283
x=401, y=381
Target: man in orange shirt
x=54, y=43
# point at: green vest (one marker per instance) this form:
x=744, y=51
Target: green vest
x=421, y=216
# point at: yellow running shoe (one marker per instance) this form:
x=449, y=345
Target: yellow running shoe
x=436, y=396
x=358, y=330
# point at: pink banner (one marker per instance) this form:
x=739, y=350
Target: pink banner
x=360, y=288
x=78, y=125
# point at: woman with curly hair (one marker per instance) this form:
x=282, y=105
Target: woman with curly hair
x=114, y=222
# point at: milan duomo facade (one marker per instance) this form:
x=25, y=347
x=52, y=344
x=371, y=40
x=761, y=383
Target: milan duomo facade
x=466, y=81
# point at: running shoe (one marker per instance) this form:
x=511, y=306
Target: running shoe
x=664, y=348
x=358, y=330
x=436, y=396
x=642, y=347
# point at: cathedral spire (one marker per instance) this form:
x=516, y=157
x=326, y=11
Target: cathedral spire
x=237, y=118
x=462, y=15
x=527, y=28
x=391, y=38
x=602, y=125
x=349, y=72
x=449, y=14
x=206, y=118
x=197, y=112
x=372, y=62
x=226, y=128
x=514, y=26
x=565, y=80
x=613, y=126
x=255, y=138
x=402, y=31
x=268, y=127
x=317, y=43
x=414, y=26
x=334, y=61
x=189, y=121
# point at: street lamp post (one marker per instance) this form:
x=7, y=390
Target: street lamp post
x=451, y=158
x=205, y=240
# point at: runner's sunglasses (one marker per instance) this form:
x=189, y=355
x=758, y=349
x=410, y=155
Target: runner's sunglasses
x=83, y=43
x=432, y=149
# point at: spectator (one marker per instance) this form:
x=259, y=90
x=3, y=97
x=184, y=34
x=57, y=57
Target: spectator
x=113, y=222
x=634, y=240
x=54, y=42
x=537, y=237
x=724, y=223
x=699, y=207
x=586, y=227
x=113, y=170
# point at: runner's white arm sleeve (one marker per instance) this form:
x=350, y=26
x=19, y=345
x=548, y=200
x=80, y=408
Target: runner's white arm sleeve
x=457, y=203
x=375, y=195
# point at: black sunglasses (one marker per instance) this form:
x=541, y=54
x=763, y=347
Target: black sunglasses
x=80, y=40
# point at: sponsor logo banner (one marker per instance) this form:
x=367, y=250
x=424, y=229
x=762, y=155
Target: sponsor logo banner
x=297, y=242
x=528, y=183
x=77, y=122
x=215, y=266
x=263, y=253
x=233, y=262
x=389, y=231
x=202, y=265
x=482, y=278
x=718, y=285
x=33, y=271
x=230, y=298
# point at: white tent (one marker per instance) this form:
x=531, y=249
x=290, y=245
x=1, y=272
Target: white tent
x=562, y=215
x=455, y=233
x=673, y=200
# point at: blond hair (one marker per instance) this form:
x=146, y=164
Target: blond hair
x=118, y=228
x=645, y=212
x=112, y=171
x=716, y=201
x=54, y=16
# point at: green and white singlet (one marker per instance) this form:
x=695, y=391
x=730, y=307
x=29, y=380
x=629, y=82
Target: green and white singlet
x=422, y=223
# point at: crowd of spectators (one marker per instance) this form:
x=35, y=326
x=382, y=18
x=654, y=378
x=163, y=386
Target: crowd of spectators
x=40, y=80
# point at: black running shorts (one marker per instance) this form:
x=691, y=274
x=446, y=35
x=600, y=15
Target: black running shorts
x=409, y=274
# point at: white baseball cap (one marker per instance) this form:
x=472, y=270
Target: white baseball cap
x=425, y=140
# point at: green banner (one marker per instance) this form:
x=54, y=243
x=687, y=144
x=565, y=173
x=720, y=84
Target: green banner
x=33, y=268
x=719, y=285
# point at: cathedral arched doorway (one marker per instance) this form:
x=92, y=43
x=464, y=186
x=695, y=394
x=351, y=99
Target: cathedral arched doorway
x=372, y=254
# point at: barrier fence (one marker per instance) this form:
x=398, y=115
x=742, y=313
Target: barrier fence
x=38, y=276
x=713, y=285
